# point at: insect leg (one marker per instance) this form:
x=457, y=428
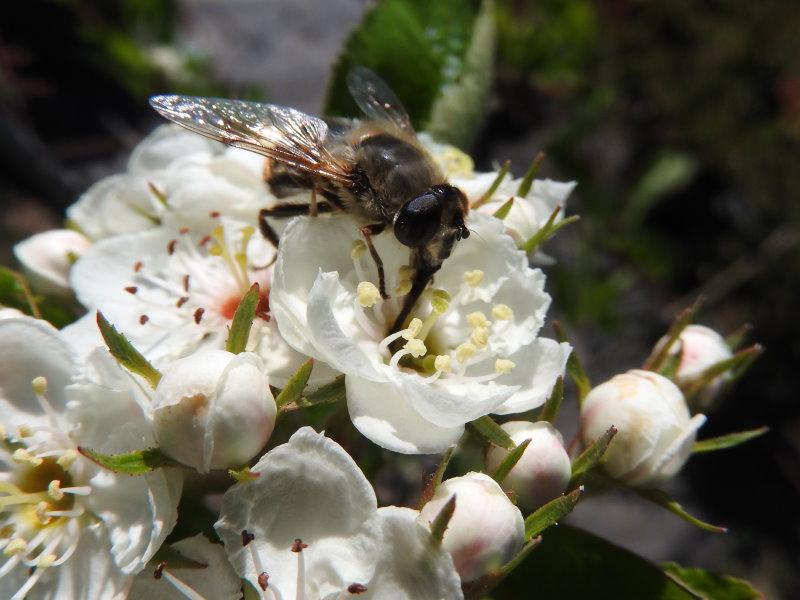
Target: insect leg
x=284, y=211
x=312, y=208
x=422, y=277
x=368, y=231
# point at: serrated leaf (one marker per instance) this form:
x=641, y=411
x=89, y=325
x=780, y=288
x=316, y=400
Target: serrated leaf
x=137, y=462
x=551, y=513
x=442, y=520
x=711, y=586
x=502, y=212
x=128, y=356
x=436, y=477
x=552, y=406
x=590, y=457
x=730, y=440
x=508, y=463
x=663, y=500
x=296, y=384
x=242, y=322
x=574, y=367
x=491, y=433
x=436, y=56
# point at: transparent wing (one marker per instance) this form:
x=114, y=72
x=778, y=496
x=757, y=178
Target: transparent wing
x=281, y=133
x=376, y=99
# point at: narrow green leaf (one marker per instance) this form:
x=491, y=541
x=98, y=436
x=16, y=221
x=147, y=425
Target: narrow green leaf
x=489, y=193
x=670, y=366
x=547, y=231
x=661, y=351
x=527, y=179
x=737, y=338
x=442, y=520
x=662, y=499
x=551, y=513
x=490, y=432
x=730, y=440
x=590, y=457
x=711, y=586
x=511, y=459
x=436, y=477
x=552, y=406
x=574, y=367
x=502, y=212
x=296, y=384
x=137, y=462
x=239, y=331
x=737, y=364
x=128, y=356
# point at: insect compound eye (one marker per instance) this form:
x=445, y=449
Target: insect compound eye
x=418, y=220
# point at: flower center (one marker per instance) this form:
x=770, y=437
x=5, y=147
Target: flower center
x=228, y=307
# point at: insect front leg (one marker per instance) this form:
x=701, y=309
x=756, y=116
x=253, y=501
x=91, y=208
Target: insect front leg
x=422, y=276
x=284, y=211
x=368, y=231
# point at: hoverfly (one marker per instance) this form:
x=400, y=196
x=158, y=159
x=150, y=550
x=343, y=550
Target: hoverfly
x=374, y=169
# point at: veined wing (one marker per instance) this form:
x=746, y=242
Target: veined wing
x=376, y=99
x=284, y=134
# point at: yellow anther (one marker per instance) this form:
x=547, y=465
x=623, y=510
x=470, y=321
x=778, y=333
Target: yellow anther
x=480, y=337
x=216, y=250
x=41, y=512
x=503, y=365
x=368, y=294
x=478, y=319
x=473, y=278
x=45, y=560
x=23, y=456
x=15, y=546
x=218, y=233
x=403, y=287
x=54, y=490
x=67, y=459
x=248, y=231
x=501, y=312
x=357, y=249
x=406, y=272
x=442, y=363
x=413, y=329
x=39, y=385
x=24, y=431
x=465, y=351
x=440, y=300
x=416, y=347
x=3, y=431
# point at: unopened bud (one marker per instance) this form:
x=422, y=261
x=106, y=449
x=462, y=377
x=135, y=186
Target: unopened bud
x=47, y=257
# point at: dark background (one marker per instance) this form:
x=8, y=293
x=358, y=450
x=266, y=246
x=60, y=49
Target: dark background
x=680, y=121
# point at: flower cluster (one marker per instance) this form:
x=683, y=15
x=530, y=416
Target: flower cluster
x=199, y=336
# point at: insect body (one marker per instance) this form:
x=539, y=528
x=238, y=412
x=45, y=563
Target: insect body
x=374, y=169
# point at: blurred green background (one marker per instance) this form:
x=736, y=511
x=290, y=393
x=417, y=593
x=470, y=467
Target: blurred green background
x=680, y=121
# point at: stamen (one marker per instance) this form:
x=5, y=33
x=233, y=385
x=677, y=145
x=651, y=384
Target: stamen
x=403, y=287
x=502, y=312
x=473, y=278
x=440, y=300
x=198, y=315
x=45, y=560
x=83, y=490
x=465, y=351
x=39, y=385
x=15, y=546
x=297, y=548
x=415, y=347
x=54, y=490
x=67, y=459
x=248, y=537
x=358, y=249
x=364, y=321
x=356, y=588
x=367, y=294
x=41, y=512
x=477, y=319
x=480, y=337
x=143, y=319
x=503, y=366
x=23, y=456
x=183, y=587
x=263, y=581
x=406, y=272
x=24, y=430
x=412, y=331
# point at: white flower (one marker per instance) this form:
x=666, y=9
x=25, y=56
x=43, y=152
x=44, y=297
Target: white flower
x=215, y=580
x=543, y=471
x=700, y=348
x=308, y=528
x=655, y=430
x=10, y=313
x=213, y=409
x=72, y=530
x=46, y=258
x=486, y=529
x=480, y=319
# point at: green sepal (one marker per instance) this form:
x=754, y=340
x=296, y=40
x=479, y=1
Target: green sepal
x=527, y=179
x=730, y=440
x=552, y=406
x=737, y=365
x=711, y=586
x=137, y=462
x=737, y=338
x=442, y=520
x=656, y=359
x=239, y=331
x=548, y=230
x=574, y=367
x=672, y=363
x=15, y=292
x=296, y=385
x=491, y=433
x=502, y=212
x=663, y=500
x=487, y=195
x=551, y=513
x=243, y=475
x=436, y=477
x=125, y=353
x=508, y=463
x=590, y=457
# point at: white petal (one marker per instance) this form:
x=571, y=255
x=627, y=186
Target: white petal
x=538, y=365
x=383, y=414
x=308, y=488
x=410, y=565
x=217, y=581
x=47, y=257
x=167, y=144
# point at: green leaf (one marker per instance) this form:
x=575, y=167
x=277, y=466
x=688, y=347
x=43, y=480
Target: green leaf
x=661, y=498
x=590, y=457
x=128, y=356
x=730, y=440
x=137, y=462
x=491, y=433
x=660, y=353
x=502, y=212
x=16, y=293
x=527, y=179
x=571, y=563
x=551, y=513
x=436, y=477
x=239, y=331
x=511, y=459
x=436, y=56
x=711, y=586
x=574, y=367
x=737, y=338
x=552, y=406
x=296, y=384
x=442, y=520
